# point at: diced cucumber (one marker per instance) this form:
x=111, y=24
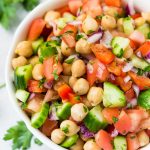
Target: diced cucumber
x=144, y=99
x=22, y=75
x=61, y=23
x=68, y=17
x=64, y=111
x=120, y=143
x=36, y=44
x=95, y=119
x=138, y=62
x=70, y=141
x=22, y=95
x=128, y=25
x=39, y=118
x=113, y=96
x=144, y=29
x=119, y=44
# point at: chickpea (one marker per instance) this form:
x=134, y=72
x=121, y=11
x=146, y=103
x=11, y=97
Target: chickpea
x=111, y=11
x=146, y=16
x=37, y=72
x=91, y=145
x=24, y=48
x=66, y=51
x=108, y=22
x=72, y=81
x=139, y=21
x=67, y=69
x=19, y=61
x=143, y=138
x=120, y=24
x=81, y=86
x=79, y=112
x=78, y=146
x=95, y=95
x=128, y=52
x=83, y=46
x=34, y=60
x=69, y=127
x=89, y=25
x=78, y=68
x=51, y=16
x=57, y=136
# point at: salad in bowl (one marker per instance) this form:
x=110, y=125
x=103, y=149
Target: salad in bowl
x=81, y=75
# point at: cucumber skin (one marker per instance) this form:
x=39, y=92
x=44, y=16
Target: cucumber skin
x=120, y=143
x=70, y=141
x=41, y=116
x=128, y=26
x=20, y=82
x=36, y=44
x=94, y=125
x=64, y=112
x=144, y=99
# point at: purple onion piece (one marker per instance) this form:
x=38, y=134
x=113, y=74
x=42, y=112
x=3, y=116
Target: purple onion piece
x=85, y=132
x=130, y=8
x=48, y=84
x=32, y=95
x=53, y=115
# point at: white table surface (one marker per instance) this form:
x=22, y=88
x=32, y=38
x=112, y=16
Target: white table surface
x=8, y=116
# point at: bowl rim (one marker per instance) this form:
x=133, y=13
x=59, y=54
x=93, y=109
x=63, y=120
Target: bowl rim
x=50, y=5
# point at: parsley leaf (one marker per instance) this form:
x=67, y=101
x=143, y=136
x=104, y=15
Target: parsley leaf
x=41, y=82
x=37, y=141
x=79, y=36
x=114, y=119
x=65, y=129
x=55, y=74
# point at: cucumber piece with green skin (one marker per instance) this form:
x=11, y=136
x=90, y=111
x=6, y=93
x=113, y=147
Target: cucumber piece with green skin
x=70, y=141
x=113, y=96
x=22, y=75
x=119, y=44
x=144, y=99
x=128, y=25
x=36, y=44
x=64, y=111
x=120, y=143
x=95, y=120
x=22, y=95
x=138, y=62
x=39, y=118
x=144, y=29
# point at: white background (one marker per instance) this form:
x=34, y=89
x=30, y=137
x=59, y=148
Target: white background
x=8, y=116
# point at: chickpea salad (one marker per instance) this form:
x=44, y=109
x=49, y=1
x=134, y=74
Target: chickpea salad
x=83, y=75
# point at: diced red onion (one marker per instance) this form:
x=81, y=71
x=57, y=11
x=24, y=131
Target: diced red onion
x=89, y=56
x=53, y=115
x=134, y=70
x=148, y=60
x=76, y=22
x=48, y=84
x=90, y=68
x=127, y=67
x=139, y=54
x=106, y=39
x=114, y=133
x=136, y=89
x=95, y=37
x=127, y=78
x=32, y=95
x=130, y=8
x=112, y=77
x=132, y=103
x=54, y=26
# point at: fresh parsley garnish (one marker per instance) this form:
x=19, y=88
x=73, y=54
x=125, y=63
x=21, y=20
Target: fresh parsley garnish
x=85, y=109
x=2, y=85
x=41, y=82
x=37, y=141
x=66, y=129
x=20, y=136
x=99, y=17
x=70, y=60
x=141, y=72
x=77, y=97
x=79, y=36
x=114, y=119
x=55, y=74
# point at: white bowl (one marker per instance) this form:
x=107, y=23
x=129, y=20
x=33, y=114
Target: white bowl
x=20, y=35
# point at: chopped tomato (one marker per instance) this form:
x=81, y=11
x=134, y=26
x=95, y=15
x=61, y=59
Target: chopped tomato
x=104, y=140
x=51, y=67
x=141, y=81
x=114, y=68
x=123, y=124
x=133, y=45
x=64, y=91
x=124, y=86
x=135, y=16
x=137, y=37
x=115, y=3
x=74, y=99
x=69, y=28
x=74, y=5
x=136, y=117
x=92, y=8
x=96, y=70
x=132, y=142
x=102, y=53
x=145, y=48
x=130, y=94
x=36, y=29
x=69, y=40
x=110, y=114
x=34, y=86
x=63, y=9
